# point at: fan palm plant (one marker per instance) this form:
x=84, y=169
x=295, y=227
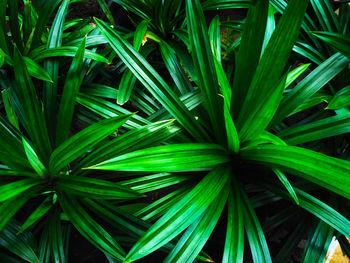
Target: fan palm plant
x=227, y=154
x=40, y=161
x=237, y=125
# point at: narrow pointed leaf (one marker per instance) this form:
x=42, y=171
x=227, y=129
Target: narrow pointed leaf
x=128, y=80
x=10, y=190
x=256, y=237
x=84, y=140
x=139, y=138
x=180, y=216
x=204, y=65
x=33, y=158
x=310, y=85
x=38, y=213
x=52, y=68
x=10, y=207
x=17, y=244
x=340, y=100
x=318, y=243
x=195, y=237
x=249, y=52
x=89, y=228
x=31, y=115
x=317, y=130
x=284, y=180
x=152, y=81
x=329, y=172
x=175, y=157
x=272, y=63
x=70, y=92
x=95, y=188
x=234, y=242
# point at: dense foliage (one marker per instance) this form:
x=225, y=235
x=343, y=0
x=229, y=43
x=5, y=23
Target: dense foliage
x=160, y=138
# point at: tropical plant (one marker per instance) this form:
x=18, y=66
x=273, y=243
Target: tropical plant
x=40, y=172
x=213, y=140
x=241, y=126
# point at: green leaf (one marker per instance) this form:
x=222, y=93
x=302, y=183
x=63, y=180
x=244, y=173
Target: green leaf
x=316, y=130
x=30, y=113
x=283, y=178
x=181, y=215
x=326, y=15
x=159, y=207
x=108, y=109
x=309, y=52
x=95, y=188
x=335, y=40
x=10, y=112
x=120, y=219
x=135, y=139
x=154, y=182
x=152, y=81
x=89, y=228
x=270, y=26
x=249, y=53
x=5, y=43
x=214, y=37
x=70, y=92
x=320, y=238
x=13, y=189
x=46, y=9
x=106, y=10
x=33, y=158
x=28, y=21
x=84, y=140
x=263, y=113
x=310, y=85
x=19, y=245
x=56, y=237
x=36, y=70
x=128, y=80
x=269, y=70
x=340, y=100
x=195, y=237
x=234, y=242
x=11, y=206
x=14, y=23
x=52, y=68
x=295, y=73
x=175, y=69
x=329, y=172
x=139, y=8
x=233, y=143
x=224, y=4
x=67, y=51
x=38, y=213
x=167, y=158
x=204, y=65
x=257, y=242
x=320, y=209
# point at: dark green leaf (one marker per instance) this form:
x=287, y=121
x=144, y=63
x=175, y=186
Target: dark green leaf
x=204, y=65
x=329, y=172
x=84, y=140
x=340, y=100
x=181, y=215
x=173, y=157
x=95, y=188
x=152, y=81
x=89, y=228
x=30, y=114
